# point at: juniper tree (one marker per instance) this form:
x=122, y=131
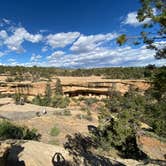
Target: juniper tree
x=58, y=87
x=154, y=30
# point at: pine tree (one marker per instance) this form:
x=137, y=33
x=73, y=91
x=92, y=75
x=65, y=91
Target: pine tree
x=58, y=88
x=48, y=94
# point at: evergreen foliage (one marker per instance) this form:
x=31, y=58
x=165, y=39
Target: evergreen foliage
x=58, y=87
x=36, y=73
x=12, y=131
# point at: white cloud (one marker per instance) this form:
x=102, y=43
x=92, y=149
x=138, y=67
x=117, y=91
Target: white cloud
x=55, y=55
x=44, y=49
x=43, y=30
x=89, y=43
x=106, y=57
x=35, y=58
x=2, y=54
x=14, y=42
x=131, y=19
x=85, y=50
x=3, y=34
x=60, y=40
x=11, y=60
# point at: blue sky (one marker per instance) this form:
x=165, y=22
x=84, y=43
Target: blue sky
x=70, y=33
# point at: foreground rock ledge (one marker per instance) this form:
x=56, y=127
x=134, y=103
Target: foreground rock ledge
x=33, y=153
x=30, y=153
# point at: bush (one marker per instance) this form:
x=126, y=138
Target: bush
x=60, y=101
x=58, y=87
x=82, y=116
x=46, y=100
x=4, y=95
x=37, y=100
x=159, y=127
x=56, y=101
x=12, y=131
x=119, y=132
x=90, y=101
x=54, y=131
x=154, y=116
x=9, y=79
x=20, y=98
x=87, y=116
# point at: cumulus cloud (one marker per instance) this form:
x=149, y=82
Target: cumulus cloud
x=11, y=60
x=60, y=40
x=91, y=42
x=44, y=49
x=14, y=42
x=102, y=57
x=131, y=19
x=85, y=51
x=2, y=53
x=3, y=34
x=35, y=58
x=55, y=55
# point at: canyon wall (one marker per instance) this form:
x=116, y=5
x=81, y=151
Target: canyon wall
x=74, y=86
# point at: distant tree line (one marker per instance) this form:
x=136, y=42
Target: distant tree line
x=35, y=73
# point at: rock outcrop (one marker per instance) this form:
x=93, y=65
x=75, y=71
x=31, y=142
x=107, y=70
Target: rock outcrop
x=33, y=153
x=152, y=147
x=73, y=86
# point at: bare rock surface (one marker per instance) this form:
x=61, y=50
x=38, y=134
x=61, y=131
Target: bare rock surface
x=152, y=147
x=32, y=153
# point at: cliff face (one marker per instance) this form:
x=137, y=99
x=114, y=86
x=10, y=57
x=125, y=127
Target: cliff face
x=73, y=86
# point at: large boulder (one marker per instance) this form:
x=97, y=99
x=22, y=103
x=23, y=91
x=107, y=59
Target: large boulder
x=33, y=153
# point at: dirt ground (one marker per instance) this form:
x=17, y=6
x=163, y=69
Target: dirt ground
x=26, y=115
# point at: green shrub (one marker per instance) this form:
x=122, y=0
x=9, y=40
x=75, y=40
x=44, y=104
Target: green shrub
x=12, y=131
x=10, y=79
x=48, y=95
x=20, y=98
x=54, y=131
x=4, y=95
x=58, y=87
x=37, y=100
x=81, y=98
x=60, y=101
x=119, y=132
x=17, y=97
x=46, y=100
x=90, y=101
x=42, y=101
